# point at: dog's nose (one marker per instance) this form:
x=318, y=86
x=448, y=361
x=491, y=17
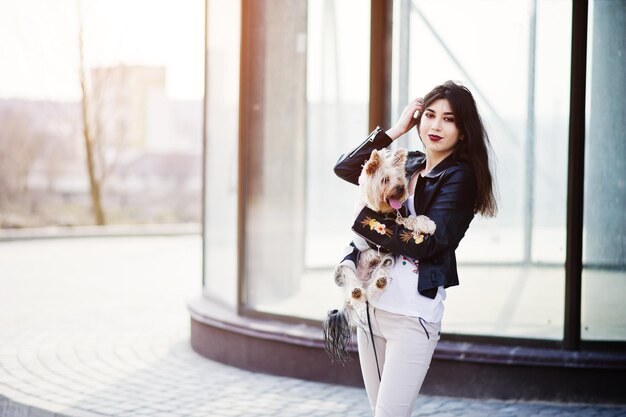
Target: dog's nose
x=399, y=190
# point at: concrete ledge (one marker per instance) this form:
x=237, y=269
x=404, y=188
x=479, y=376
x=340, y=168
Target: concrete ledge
x=528, y=356
x=116, y=230
x=267, y=346
x=458, y=369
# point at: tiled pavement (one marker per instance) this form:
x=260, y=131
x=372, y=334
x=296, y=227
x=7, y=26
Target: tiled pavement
x=99, y=327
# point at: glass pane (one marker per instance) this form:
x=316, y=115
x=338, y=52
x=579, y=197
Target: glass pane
x=220, y=205
x=604, y=227
x=510, y=267
x=314, y=60
x=143, y=101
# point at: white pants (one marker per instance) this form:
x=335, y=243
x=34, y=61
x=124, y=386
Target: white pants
x=404, y=352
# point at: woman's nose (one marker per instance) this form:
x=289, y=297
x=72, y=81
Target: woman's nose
x=436, y=124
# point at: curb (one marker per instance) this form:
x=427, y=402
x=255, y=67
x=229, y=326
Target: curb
x=124, y=230
x=22, y=405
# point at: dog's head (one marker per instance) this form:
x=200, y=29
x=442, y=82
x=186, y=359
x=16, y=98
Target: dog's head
x=383, y=182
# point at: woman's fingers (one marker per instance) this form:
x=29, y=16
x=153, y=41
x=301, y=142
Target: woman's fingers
x=417, y=107
x=414, y=106
x=407, y=119
x=412, y=111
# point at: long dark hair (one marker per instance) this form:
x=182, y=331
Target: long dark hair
x=474, y=148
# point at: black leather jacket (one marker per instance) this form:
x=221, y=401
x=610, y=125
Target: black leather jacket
x=447, y=198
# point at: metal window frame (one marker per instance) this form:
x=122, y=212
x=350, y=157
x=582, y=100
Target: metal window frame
x=205, y=121
x=244, y=87
x=575, y=177
x=381, y=20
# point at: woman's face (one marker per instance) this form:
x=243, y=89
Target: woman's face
x=438, y=129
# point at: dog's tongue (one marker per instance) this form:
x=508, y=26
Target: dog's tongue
x=395, y=203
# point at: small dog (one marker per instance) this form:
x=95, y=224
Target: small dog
x=384, y=188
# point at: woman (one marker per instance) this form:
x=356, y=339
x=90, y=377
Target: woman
x=449, y=183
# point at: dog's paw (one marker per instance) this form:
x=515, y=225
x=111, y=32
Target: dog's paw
x=356, y=293
x=344, y=274
x=376, y=288
x=357, y=299
x=339, y=276
x=380, y=279
x=381, y=283
x=425, y=225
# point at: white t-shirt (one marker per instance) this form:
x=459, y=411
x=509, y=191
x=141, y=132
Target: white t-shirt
x=401, y=296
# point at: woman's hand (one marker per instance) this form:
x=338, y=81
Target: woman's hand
x=407, y=119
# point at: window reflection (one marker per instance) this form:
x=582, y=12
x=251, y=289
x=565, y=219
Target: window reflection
x=604, y=225
x=511, y=267
x=221, y=150
x=298, y=212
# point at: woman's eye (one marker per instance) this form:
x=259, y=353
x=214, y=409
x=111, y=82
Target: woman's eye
x=429, y=115
x=449, y=119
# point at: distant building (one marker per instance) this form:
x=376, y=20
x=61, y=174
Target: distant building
x=152, y=144
x=120, y=98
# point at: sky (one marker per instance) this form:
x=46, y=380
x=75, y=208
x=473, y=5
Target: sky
x=39, y=47
x=39, y=44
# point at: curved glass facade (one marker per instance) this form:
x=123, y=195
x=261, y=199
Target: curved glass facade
x=512, y=266
x=302, y=98
x=223, y=28
x=296, y=209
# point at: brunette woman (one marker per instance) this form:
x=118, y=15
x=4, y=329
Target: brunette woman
x=449, y=182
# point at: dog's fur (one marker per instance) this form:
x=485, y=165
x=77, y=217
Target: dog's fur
x=383, y=185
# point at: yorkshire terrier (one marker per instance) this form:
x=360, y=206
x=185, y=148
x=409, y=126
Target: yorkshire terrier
x=384, y=188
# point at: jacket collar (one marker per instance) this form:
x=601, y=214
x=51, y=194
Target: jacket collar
x=417, y=160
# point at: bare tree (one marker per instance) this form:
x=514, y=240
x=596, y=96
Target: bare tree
x=105, y=124
x=94, y=181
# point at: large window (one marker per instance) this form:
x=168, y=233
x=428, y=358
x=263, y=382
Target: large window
x=223, y=20
x=511, y=267
x=302, y=99
x=307, y=102
x=604, y=226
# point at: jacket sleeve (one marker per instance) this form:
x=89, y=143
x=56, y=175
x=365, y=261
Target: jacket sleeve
x=349, y=165
x=452, y=210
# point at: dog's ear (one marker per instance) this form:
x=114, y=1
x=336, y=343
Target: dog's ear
x=399, y=156
x=373, y=163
